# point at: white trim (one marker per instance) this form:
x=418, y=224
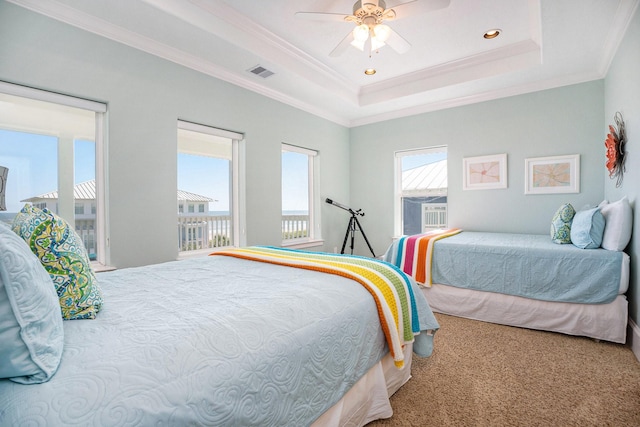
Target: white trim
x=301, y=150
x=209, y=130
x=238, y=195
x=633, y=338
x=296, y=244
x=102, y=190
x=56, y=98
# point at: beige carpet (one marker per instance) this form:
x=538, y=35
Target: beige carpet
x=482, y=374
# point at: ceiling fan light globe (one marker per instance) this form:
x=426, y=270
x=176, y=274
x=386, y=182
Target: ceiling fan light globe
x=376, y=43
x=361, y=33
x=358, y=44
x=382, y=32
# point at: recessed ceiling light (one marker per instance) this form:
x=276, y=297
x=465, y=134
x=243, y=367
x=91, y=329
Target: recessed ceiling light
x=370, y=71
x=492, y=34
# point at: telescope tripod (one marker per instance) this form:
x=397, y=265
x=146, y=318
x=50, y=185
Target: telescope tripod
x=354, y=225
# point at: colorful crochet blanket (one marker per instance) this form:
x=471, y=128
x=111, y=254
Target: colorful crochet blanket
x=390, y=288
x=413, y=254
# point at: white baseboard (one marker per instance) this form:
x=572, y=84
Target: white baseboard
x=633, y=338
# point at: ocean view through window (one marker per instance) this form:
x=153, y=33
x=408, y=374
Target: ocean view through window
x=298, y=189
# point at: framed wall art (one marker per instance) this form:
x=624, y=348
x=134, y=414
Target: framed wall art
x=484, y=172
x=549, y=175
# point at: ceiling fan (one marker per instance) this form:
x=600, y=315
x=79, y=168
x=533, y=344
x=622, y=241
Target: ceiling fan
x=369, y=17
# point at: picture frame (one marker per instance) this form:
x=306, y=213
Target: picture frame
x=552, y=175
x=484, y=172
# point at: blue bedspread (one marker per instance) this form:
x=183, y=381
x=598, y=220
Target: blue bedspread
x=527, y=265
x=210, y=341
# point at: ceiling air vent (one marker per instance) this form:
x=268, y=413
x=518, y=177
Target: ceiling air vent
x=261, y=71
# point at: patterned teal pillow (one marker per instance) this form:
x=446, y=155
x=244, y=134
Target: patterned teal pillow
x=561, y=224
x=64, y=257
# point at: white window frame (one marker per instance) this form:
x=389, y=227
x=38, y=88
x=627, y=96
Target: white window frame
x=237, y=183
x=397, y=185
x=315, y=231
x=100, y=110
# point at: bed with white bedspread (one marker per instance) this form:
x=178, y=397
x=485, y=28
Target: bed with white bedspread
x=223, y=340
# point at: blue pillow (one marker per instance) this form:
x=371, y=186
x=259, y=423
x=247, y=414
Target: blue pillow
x=31, y=333
x=561, y=224
x=587, y=228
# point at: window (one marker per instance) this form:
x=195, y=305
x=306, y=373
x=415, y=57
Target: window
x=421, y=190
x=299, y=210
x=208, y=184
x=52, y=145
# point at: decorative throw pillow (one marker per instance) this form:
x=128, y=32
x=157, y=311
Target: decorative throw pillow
x=561, y=224
x=31, y=333
x=618, y=218
x=587, y=228
x=64, y=257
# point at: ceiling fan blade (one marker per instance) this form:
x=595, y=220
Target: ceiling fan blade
x=398, y=43
x=321, y=16
x=418, y=7
x=342, y=46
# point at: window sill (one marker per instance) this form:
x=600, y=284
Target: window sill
x=199, y=252
x=303, y=244
x=101, y=268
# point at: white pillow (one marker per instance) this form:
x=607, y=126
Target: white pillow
x=31, y=332
x=618, y=223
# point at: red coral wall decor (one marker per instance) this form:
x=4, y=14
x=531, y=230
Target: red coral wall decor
x=615, y=142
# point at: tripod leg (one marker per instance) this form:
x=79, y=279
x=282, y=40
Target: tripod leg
x=365, y=237
x=346, y=236
x=353, y=232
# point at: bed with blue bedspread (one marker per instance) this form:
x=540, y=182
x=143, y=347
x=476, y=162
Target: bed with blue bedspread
x=230, y=340
x=521, y=280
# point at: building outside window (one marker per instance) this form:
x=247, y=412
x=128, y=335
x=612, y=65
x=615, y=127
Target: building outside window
x=421, y=190
x=299, y=207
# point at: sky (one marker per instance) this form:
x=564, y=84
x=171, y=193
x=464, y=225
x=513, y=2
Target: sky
x=32, y=163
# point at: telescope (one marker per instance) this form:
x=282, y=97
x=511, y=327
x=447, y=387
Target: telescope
x=346, y=208
x=352, y=227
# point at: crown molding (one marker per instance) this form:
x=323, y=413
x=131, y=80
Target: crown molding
x=624, y=14
x=92, y=24
x=490, y=95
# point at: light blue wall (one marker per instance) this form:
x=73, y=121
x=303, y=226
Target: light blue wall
x=622, y=93
x=561, y=121
x=145, y=96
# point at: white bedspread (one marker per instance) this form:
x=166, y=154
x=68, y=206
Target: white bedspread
x=208, y=341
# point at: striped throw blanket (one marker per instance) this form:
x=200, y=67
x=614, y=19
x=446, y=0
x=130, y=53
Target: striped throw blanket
x=390, y=288
x=413, y=254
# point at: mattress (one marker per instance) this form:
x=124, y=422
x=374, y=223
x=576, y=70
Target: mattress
x=211, y=341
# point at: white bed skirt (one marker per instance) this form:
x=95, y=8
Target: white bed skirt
x=606, y=322
x=368, y=399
